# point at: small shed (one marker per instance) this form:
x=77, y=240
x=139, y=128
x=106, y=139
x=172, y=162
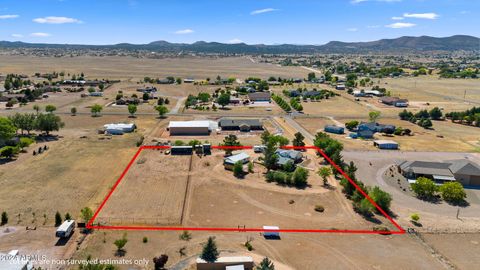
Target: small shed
x=334, y=129
x=271, y=232
x=386, y=144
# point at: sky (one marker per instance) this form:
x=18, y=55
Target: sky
x=228, y=21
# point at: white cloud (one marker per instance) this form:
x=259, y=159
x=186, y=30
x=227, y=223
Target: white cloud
x=8, y=16
x=40, y=34
x=400, y=25
x=260, y=11
x=352, y=29
x=397, y=18
x=17, y=35
x=56, y=20
x=235, y=41
x=184, y=31
x=373, y=26
x=428, y=16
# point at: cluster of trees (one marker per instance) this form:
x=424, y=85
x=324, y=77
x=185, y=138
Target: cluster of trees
x=15, y=81
x=295, y=103
x=426, y=189
x=447, y=72
x=192, y=100
x=332, y=148
x=468, y=117
x=282, y=103
x=422, y=118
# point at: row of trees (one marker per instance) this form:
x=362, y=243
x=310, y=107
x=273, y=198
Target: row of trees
x=282, y=103
x=295, y=103
x=332, y=148
x=426, y=189
x=422, y=118
x=468, y=117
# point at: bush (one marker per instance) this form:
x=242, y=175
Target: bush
x=238, y=169
x=300, y=177
x=120, y=243
x=4, y=218
x=58, y=219
x=453, y=192
x=248, y=246
x=364, y=208
x=319, y=208
x=415, y=217
x=145, y=240
x=279, y=177
x=250, y=167
x=351, y=125
x=185, y=236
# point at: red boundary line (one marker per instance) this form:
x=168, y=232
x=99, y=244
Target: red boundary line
x=90, y=225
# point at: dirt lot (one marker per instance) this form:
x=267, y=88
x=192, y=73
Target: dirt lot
x=153, y=191
x=293, y=251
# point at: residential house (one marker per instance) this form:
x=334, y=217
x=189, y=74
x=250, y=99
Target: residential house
x=259, y=97
x=245, y=125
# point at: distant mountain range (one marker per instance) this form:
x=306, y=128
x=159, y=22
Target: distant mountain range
x=402, y=44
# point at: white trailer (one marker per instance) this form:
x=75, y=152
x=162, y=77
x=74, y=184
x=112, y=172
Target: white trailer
x=66, y=229
x=271, y=232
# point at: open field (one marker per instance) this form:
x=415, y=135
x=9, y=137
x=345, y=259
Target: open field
x=129, y=67
x=74, y=173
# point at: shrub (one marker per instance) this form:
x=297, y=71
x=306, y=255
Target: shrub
x=300, y=176
x=58, y=219
x=248, y=246
x=319, y=208
x=185, y=236
x=120, y=243
x=279, y=177
x=238, y=169
x=250, y=167
x=415, y=217
x=145, y=240
x=4, y=218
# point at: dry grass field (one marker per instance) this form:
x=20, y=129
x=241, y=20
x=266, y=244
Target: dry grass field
x=74, y=173
x=137, y=68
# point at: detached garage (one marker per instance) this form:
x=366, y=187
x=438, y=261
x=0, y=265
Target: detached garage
x=386, y=144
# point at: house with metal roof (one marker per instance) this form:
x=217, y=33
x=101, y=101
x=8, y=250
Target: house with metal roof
x=463, y=170
x=191, y=127
x=259, y=96
x=230, y=161
x=285, y=156
x=244, y=125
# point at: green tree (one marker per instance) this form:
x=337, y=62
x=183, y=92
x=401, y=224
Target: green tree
x=311, y=76
x=50, y=108
x=453, y=192
x=351, y=125
x=7, y=129
x=73, y=111
x=36, y=108
x=436, y=113
x=424, y=188
x=4, y=218
x=58, y=219
x=223, y=100
x=415, y=217
x=230, y=141
x=270, y=158
x=381, y=198
x=238, y=169
x=86, y=214
x=298, y=140
x=162, y=110
x=132, y=109
x=96, y=109
x=25, y=142
x=300, y=177
x=210, y=253
x=373, y=116
x=325, y=172
x=48, y=123
x=266, y=264
x=120, y=243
